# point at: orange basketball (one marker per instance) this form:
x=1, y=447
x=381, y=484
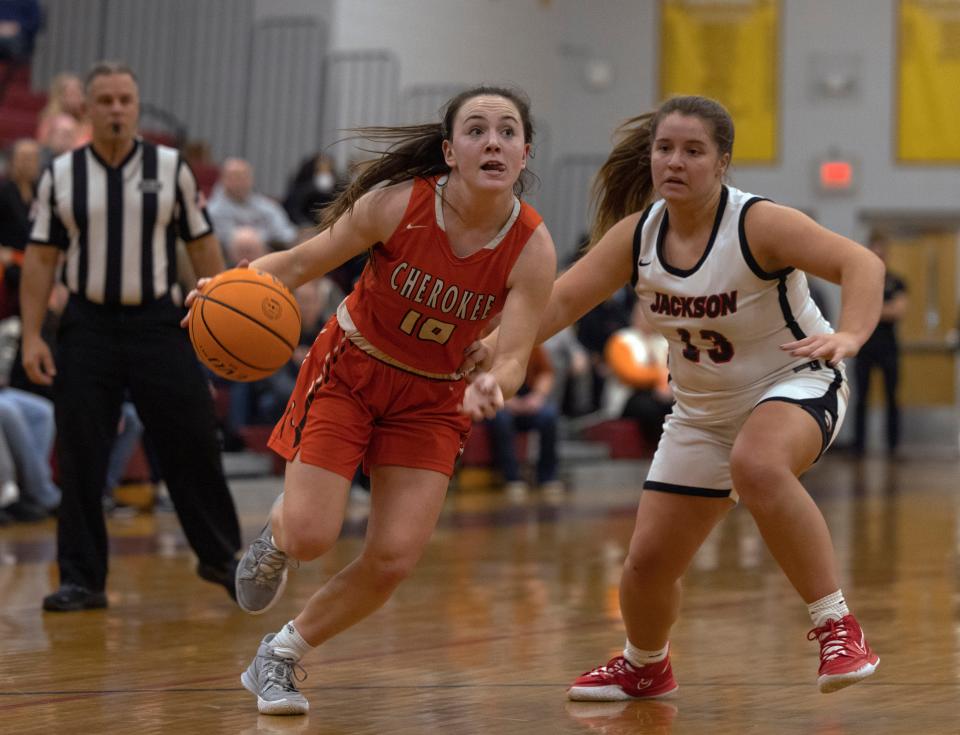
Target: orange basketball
x=637, y=359
x=244, y=324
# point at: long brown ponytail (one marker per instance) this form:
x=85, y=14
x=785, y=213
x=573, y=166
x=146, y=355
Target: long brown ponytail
x=415, y=151
x=624, y=183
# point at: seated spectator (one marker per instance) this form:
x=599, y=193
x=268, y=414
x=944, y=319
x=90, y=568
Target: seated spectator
x=14, y=505
x=16, y=197
x=595, y=327
x=346, y=275
x=51, y=322
x=318, y=301
x=198, y=156
x=26, y=421
x=313, y=187
x=66, y=96
x=17, y=193
x=20, y=21
x=21, y=385
x=246, y=244
x=129, y=432
x=234, y=203
x=263, y=401
x=530, y=409
x=9, y=490
x=593, y=331
x=650, y=403
x=63, y=134
x=573, y=379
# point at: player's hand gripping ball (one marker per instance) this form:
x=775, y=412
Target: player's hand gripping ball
x=244, y=324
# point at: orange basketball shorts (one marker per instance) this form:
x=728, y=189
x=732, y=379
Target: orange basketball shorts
x=349, y=407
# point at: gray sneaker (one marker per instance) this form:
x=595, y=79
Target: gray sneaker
x=273, y=679
x=261, y=574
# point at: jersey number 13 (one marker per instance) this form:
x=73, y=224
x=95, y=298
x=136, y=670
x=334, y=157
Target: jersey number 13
x=721, y=349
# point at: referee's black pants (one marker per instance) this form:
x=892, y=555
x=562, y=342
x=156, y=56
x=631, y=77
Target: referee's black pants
x=883, y=353
x=102, y=351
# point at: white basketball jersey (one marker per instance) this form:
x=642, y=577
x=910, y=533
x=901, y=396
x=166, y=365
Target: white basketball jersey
x=725, y=318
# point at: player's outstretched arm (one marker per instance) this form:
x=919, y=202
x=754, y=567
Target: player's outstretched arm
x=372, y=220
x=781, y=237
x=529, y=286
x=588, y=282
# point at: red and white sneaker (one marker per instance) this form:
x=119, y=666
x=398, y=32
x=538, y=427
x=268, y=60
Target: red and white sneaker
x=621, y=680
x=845, y=656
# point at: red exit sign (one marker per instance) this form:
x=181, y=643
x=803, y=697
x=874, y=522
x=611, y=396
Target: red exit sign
x=836, y=175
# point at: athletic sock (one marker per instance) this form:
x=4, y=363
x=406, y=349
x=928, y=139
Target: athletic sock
x=830, y=607
x=289, y=643
x=638, y=657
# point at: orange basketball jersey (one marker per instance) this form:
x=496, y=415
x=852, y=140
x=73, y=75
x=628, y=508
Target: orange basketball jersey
x=417, y=305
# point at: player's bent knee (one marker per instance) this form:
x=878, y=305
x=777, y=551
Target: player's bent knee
x=306, y=545
x=388, y=571
x=750, y=470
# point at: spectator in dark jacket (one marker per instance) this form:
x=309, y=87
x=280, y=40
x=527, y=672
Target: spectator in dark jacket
x=20, y=21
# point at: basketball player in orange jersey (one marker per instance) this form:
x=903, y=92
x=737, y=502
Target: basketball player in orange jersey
x=451, y=247
x=756, y=370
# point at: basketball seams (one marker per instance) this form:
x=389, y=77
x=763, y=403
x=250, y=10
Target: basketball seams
x=191, y=330
x=246, y=316
x=253, y=341
x=292, y=304
x=223, y=347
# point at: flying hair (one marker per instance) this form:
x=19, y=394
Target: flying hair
x=415, y=151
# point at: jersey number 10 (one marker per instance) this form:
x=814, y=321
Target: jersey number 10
x=431, y=330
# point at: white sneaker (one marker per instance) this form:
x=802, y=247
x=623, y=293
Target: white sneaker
x=552, y=491
x=516, y=491
x=9, y=493
x=273, y=679
x=262, y=571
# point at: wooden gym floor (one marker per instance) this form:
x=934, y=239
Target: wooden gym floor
x=509, y=604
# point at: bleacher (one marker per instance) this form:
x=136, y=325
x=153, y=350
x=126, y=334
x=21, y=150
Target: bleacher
x=20, y=107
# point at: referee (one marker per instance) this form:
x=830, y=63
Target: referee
x=113, y=211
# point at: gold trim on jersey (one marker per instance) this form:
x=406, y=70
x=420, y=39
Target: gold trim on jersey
x=360, y=341
x=353, y=334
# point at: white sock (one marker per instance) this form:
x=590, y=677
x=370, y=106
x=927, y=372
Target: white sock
x=831, y=607
x=289, y=643
x=639, y=657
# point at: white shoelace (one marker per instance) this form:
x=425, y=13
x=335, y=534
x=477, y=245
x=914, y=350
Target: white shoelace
x=831, y=641
x=283, y=672
x=270, y=563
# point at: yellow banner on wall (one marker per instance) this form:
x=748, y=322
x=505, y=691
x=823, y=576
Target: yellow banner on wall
x=727, y=50
x=928, y=71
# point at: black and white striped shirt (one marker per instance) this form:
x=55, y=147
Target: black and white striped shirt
x=119, y=226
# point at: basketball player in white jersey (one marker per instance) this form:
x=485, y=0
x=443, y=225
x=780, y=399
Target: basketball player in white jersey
x=756, y=369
